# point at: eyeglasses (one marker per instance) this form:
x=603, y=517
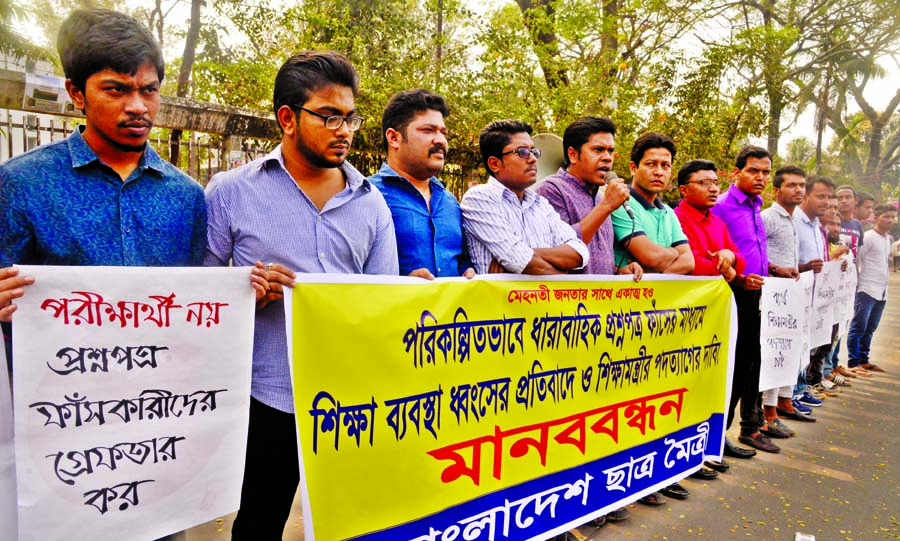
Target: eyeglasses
x=523, y=152
x=709, y=183
x=334, y=122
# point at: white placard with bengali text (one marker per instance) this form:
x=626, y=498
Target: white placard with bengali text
x=132, y=392
x=846, y=298
x=784, y=339
x=7, y=455
x=825, y=295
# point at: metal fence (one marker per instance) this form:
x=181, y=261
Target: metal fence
x=201, y=156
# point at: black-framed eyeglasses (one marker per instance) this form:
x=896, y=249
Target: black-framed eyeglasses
x=334, y=122
x=523, y=152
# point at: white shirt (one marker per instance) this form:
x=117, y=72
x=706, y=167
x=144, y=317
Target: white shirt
x=498, y=225
x=874, y=258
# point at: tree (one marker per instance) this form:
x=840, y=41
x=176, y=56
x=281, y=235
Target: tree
x=12, y=42
x=184, y=74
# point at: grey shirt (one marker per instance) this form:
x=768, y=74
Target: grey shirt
x=782, y=241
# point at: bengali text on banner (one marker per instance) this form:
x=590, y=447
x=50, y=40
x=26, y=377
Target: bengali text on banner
x=501, y=408
x=132, y=393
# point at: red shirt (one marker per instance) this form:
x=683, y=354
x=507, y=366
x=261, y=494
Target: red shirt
x=706, y=232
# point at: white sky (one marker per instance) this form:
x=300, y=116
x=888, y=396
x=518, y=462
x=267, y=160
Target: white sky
x=878, y=94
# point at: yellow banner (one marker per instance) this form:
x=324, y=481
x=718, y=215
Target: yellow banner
x=501, y=408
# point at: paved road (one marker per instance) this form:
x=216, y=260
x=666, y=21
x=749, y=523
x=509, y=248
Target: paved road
x=838, y=479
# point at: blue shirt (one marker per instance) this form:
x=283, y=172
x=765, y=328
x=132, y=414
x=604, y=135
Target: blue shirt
x=61, y=205
x=812, y=239
x=430, y=238
x=258, y=213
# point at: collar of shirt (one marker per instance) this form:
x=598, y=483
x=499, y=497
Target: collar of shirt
x=691, y=212
x=386, y=172
x=643, y=200
x=800, y=215
x=82, y=154
x=589, y=189
x=781, y=210
x=355, y=180
x=742, y=198
x=505, y=193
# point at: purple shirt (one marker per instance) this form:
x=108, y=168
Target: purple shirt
x=573, y=199
x=741, y=213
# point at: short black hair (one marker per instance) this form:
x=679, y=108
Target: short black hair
x=496, y=135
x=693, y=166
x=578, y=133
x=882, y=208
x=750, y=151
x=846, y=187
x=818, y=179
x=310, y=71
x=862, y=197
x=92, y=40
x=651, y=140
x=786, y=170
x=404, y=106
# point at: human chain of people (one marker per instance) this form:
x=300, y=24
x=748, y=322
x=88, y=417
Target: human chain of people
x=99, y=235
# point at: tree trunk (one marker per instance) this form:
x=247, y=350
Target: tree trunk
x=540, y=21
x=184, y=76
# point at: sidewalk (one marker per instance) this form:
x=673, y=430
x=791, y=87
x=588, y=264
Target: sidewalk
x=838, y=479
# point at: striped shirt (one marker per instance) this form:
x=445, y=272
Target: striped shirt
x=499, y=226
x=258, y=213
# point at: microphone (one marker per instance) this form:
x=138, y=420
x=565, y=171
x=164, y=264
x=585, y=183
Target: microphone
x=610, y=178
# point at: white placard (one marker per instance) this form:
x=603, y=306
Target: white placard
x=784, y=338
x=824, y=298
x=846, y=298
x=7, y=455
x=132, y=399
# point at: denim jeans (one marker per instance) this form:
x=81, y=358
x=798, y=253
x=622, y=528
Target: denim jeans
x=866, y=317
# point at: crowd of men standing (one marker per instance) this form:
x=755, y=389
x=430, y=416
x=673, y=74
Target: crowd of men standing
x=104, y=197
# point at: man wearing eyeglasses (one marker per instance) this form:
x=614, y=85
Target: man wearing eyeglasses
x=301, y=208
x=427, y=218
x=511, y=228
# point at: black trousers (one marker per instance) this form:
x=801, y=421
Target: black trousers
x=747, y=361
x=271, y=475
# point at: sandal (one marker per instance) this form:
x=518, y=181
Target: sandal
x=676, y=491
x=654, y=498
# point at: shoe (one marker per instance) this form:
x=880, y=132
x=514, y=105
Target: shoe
x=676, y=491
x=759, y=441
x=705, y=474
x=719, y=465
x=808, y=400
x=568, y=536
x=860, y=371
x=825, y=392
x=872, y=367
x=782, y=426
x=737, y=452
x=827, y=385
x=844, y=372
x=654, y=499
x=597, y=522
x=795, y=413
x=770, y=430
x=815, y=393
x=839, y=380
x=618, y=515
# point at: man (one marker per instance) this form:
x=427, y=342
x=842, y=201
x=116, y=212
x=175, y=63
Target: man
x=865, y=202
x=589, y=145
x=813, y=254
x=851, y=228
x=783, y=251
x=53, y=198
x=651, y=234
x=302, y=208
x=871, y=296
x=740, y=209
x=427, y=219
x=510, y=228
x=715, y=254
